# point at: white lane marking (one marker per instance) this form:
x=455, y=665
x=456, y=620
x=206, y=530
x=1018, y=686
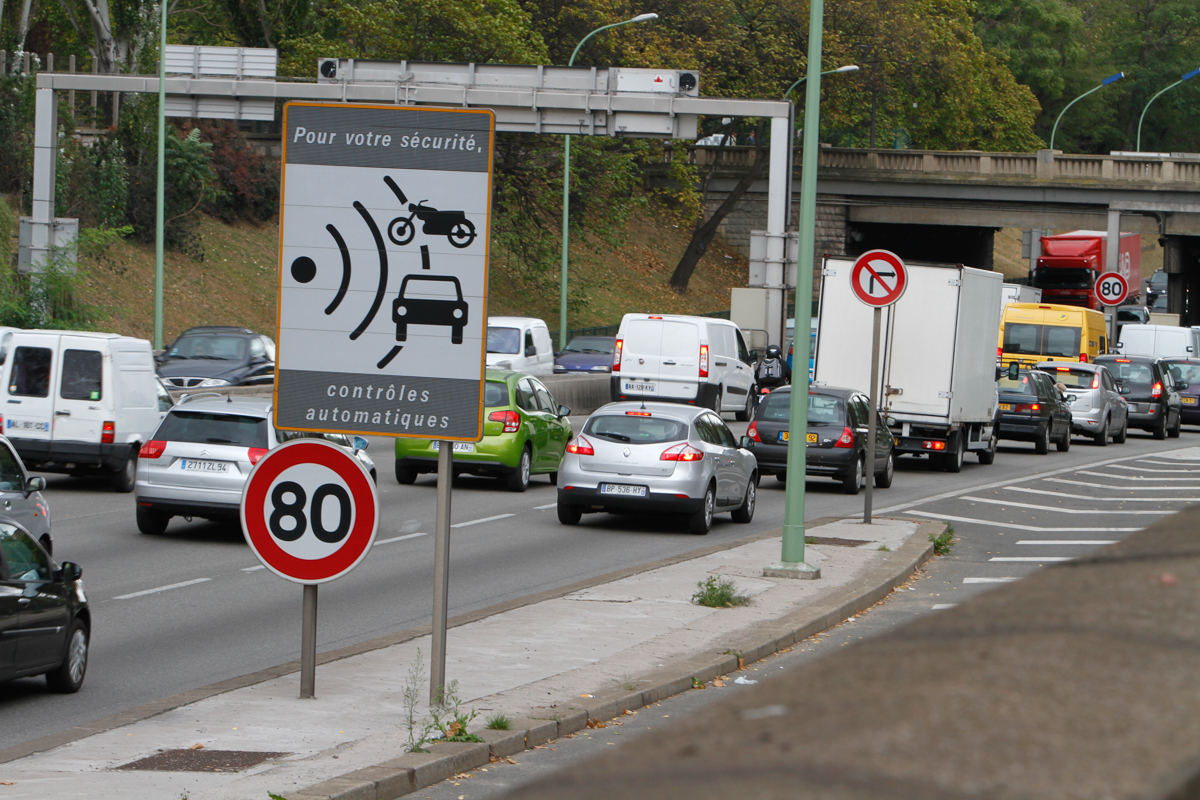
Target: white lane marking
x=161, y=589
x=543, y=508
x=1102, y=499
x=997, y=484
x=1015, y=526
x=941, y=606
x=1068, y=541
x=1038, y=559
x=93, y=514
x=1174, y=462
x=400, y=538
x=1105, y=511
x=253, y=569
x=1131, y=477
x=1146, y=469
x=485, y=519
x=988, y=580
x=1125, y=488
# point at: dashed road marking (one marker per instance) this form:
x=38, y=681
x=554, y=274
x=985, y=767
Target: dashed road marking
x=1016, y=527
x=1060, y=542
x=1105, y=511
x=1102, y=499
x=400, y=538
x=942, y=606
x=161, y=589
x=253, y=569
x=485, y=519
x=543, y=508
x=1034, y=559
x=988, y=580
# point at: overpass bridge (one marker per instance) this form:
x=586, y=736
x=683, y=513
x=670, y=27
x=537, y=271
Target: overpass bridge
x=946, y=206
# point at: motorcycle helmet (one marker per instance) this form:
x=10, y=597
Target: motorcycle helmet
x=774, y=352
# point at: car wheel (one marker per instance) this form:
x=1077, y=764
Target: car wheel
x=701, y=521
x=989, y=456
x=553, y=478
x=123, y=479
x=853, y=480
x=716, y=406
x=405, y=474
x=781, y=477
x=745, y=513
x=883, y=480
x=1177, y=428
x=569, y=515
x=1120, y=436
x=1064, y=444
x=1041, y=445
x=519, y=480
x=68, y=676
x=1101, y=437
x=746, y=413
x=1160, y=430
x=152, y=522
x=953, y=462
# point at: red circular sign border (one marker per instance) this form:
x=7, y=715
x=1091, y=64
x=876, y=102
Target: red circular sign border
x=901, y=270
x=366, y=521
x=1105, y=276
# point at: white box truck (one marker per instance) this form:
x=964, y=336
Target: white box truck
x=937, y=357
x=1018, y=293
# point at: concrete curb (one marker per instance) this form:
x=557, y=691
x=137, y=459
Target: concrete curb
x=414, y=771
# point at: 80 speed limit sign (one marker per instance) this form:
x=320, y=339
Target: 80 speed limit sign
x=310, y=511
x=1111, y=289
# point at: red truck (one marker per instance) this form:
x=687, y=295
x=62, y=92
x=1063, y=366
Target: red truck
x=1070, y=264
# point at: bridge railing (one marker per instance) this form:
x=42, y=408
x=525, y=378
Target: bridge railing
x=1042, y=165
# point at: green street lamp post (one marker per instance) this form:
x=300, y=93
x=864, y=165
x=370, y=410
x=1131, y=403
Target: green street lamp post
x=159, y=212
x=1103, y=83
x=566, y=211
x=847, y=68
x=1186, y=77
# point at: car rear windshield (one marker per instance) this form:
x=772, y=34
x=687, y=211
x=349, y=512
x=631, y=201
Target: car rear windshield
x=1072, y=378
x=636, y=429
x=1062, y=278
x=1184, y=372
x=1023, y=338
x=220, y=348
x=590, y=344
x=495, y=394
x=504, y=340
x=204, y=428
x=1021, y=385
x=822, y=409
x=1131, y=373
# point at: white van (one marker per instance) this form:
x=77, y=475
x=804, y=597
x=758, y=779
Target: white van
x=695, y=360
x=520, y=344
x=73, y=401
x=1160, y=341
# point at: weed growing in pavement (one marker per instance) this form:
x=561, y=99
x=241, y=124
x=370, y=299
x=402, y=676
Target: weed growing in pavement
x=883, y=548
x=498, y=722
x=716, y=593
x=418, y=730
x=943, y=542
x=271, y=795
x=449, y=718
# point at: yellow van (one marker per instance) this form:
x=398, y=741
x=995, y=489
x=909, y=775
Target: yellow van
x=1033, y=332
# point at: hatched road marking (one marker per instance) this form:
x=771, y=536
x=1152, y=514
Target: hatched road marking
x=1015, y=526
x=1059, y=510
x=1033, y=559
x=1093, y=542
x=1124, y=488
x=1102, y=499
x=988, y=580
x=1130, y=477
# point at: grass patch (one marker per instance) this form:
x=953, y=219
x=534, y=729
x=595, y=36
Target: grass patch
x=883, y=548
x=716, y=593
x=498, y=722
x=943, y=542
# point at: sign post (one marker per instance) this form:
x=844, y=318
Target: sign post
x=383, y=276
x=1111, y=290
x=878, y=279
x=310, y=514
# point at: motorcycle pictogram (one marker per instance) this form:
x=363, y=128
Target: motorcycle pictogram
x=454, y=225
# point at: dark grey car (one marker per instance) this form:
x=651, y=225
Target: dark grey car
x=21, y=496
x=1098, y=410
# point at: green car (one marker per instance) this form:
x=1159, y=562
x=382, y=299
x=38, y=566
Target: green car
x=524, y=432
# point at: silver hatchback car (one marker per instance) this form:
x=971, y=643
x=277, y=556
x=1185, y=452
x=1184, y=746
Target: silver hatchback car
x=198, y=460
x=657, y=457
x=1097, y=409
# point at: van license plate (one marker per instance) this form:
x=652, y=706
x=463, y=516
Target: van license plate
x=459, y=447
x=194, y=465
x=27, y=425
x=639, y=387
x=622, y=489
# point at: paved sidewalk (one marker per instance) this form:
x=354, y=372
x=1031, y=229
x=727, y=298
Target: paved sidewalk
x=546, y=665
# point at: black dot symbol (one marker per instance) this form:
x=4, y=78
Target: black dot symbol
x=304, y=269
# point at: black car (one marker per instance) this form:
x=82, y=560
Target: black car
x=837, y=437
x=1186, y=374
x=218, y=355
x=1152, y=393
x=1033, y=409
x=45, y=624
x=1156, y=291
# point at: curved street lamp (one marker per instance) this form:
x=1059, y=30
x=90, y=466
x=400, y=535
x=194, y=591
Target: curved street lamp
x=847, y=68
x=566, y=210
x=1103, y=83
x=1187, y=76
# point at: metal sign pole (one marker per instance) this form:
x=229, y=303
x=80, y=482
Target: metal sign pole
x=441, y=566
x=1112, y=330
x=872, y=403
x=308, y=644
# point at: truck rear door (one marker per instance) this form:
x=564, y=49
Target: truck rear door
x=80, y=390
x=921, y=362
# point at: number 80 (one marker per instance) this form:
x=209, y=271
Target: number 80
x=295, y=510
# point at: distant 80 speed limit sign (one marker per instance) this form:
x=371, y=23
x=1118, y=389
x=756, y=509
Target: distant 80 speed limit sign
x=1111, y=289
x=310, y=511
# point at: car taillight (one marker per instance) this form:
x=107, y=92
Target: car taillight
x=617, y=355
x=999, y=353
x=152, y=449
x=1083, y=357
x=108, y=432
x=255, y=453
x=752, y=431
x=703, y=361
x=681, y=452
x=846, y=439
x=933, y=445
x=1028, y=407
x=511, y=420
x=1095, y=381
x=580, y=447
x=1156, y=392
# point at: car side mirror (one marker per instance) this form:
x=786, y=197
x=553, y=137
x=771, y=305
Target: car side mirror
x=530, y=351
x=1071, y=398
x=1014, y=370
x=35, y=484
x=1181, y=386
x=359, y=443
x=747, y=443
x=1123, y=390
x=563, y=411
x=70, y=571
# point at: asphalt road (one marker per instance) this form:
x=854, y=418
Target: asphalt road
x=193, y=607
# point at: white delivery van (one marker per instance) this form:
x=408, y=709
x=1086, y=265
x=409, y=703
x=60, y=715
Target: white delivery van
x=74, y=401
x=1160, y=341
x=696, y=360
x=519, y=344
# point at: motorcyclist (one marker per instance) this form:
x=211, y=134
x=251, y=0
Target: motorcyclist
x=773, y=370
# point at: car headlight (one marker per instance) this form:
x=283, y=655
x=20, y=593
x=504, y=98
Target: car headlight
x=212, y=382
x=602, y=368
x=559, y=368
